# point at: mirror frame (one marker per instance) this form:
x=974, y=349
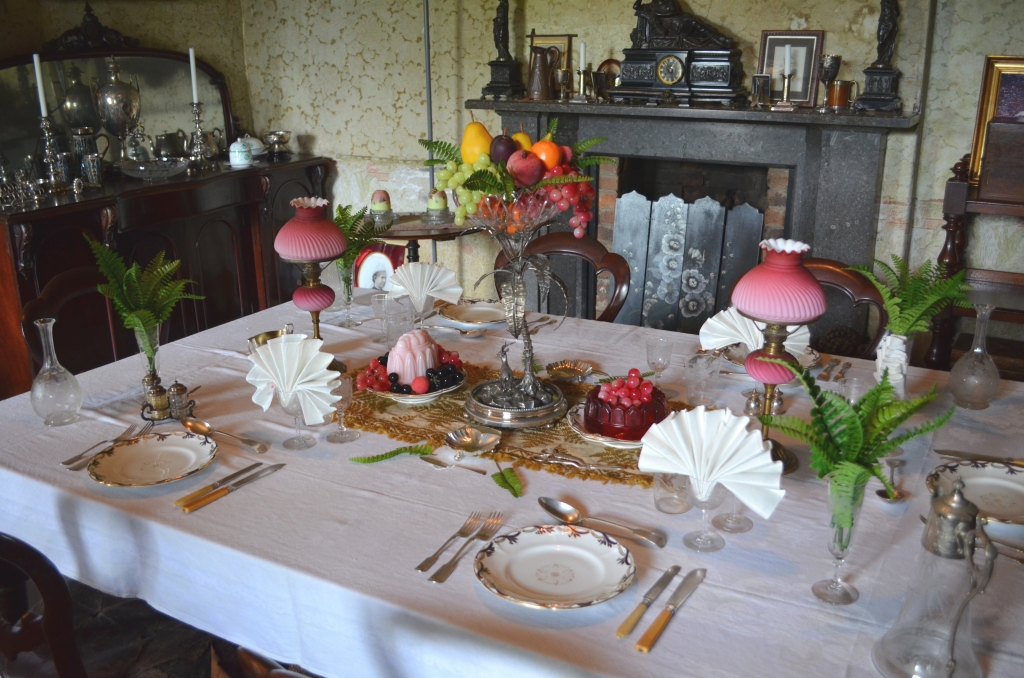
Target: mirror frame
x=216, y=77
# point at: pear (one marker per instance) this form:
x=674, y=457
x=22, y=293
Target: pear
x=475, y=140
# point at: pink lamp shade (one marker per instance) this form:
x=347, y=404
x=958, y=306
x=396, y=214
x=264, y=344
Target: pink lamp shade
x=312, y=299
x=768, y=373
x=780, y=289
x=310, y=235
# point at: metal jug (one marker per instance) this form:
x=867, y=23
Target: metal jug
x=77, y=106
x=119, y=105
x=544, y=63
x=83, y=143
x=170, y=145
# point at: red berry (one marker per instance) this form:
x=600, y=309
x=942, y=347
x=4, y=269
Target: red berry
x=618, y=383
x=420, y=385
x=569, y=190
x=382, y=386
x=635, y=394
x=611, y=400
x=645, y=397
x=453, y=355
x=633, y=373
x=633, y=381
x=555, y=195
x=557, y=170
x=563, y=204
x=573, y=199
x=444, y=359
x=626, y=402
x=374, y=363
x=646, y=387
x=579, y=232
x=458, y=364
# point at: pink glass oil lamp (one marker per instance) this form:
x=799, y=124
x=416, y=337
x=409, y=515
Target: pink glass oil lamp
x=778, y=292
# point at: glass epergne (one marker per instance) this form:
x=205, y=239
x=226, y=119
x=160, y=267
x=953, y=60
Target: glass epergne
x=659, y=356
x=705, y=540
x=291, y=404
x=844, y=503
x=343, y=392
x=56, y=395
x=733, y=521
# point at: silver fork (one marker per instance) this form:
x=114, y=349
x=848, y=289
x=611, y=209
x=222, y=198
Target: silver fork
x=826, y=373
x=88, y=460
x=127, y=434
x=468, y=528
x=486, y=532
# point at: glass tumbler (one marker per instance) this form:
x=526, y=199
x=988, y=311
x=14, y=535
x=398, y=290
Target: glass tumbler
x=398, y=319
x=670, y=493
x=702, y=377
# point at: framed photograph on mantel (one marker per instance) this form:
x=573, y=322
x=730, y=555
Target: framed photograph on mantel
x=805, y=47
x=1002, y=96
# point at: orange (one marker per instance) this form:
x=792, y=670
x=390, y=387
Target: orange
x=549, y=153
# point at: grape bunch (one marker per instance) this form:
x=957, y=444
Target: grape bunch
x=579, y=196
x=454, y=175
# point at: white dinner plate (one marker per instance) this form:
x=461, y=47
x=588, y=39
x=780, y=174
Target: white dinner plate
x=996, y=488
x=153, y=459
x=474, y=315
x=555, y=567
x=422, y=399
x=576, y=423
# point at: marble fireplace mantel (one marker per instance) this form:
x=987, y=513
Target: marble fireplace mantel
x=835, y=162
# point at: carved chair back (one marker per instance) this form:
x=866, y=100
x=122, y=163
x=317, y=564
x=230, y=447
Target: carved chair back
x=835, y=274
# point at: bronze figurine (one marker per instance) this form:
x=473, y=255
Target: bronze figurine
x=887, y=30
x=661, y=24
x=501, y=31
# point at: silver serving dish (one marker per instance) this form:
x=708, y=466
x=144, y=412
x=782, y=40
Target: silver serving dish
x=515, y=418
x=154, y=170
x=473, y=440
x=574, y=371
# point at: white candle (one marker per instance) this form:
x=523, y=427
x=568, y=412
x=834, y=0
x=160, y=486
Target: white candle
x=192, y=67
x=787, y=71
x=39, y=85
x=583, y=56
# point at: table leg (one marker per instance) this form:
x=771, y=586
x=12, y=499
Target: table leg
x=412, y=250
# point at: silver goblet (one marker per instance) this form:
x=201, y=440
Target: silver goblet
x=828, y=70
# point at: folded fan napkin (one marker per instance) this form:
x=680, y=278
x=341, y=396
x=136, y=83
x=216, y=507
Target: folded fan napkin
x=714, y=446
x=421, y=280
x=294, y=364
x=730, y=326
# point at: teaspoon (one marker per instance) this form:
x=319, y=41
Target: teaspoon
x=204, y=429
x=570, y=515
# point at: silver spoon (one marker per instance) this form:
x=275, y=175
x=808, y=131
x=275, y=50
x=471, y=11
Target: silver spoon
x=204, y=429
x=472, y=333
x=892, y=463
x=570, y=515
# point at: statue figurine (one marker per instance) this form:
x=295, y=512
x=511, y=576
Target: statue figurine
x=887, y=30
x=505, y=374
x=661, y=24
x=501, y=31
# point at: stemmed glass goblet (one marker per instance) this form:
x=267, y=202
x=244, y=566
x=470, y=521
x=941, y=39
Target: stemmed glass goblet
x=291, y=404
x=705, y=540
x=659, y=356
x=828, y=70
x=343, y=393
x=379, y=303
x=733, y=522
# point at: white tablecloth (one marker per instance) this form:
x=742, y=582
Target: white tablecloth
x=314, y=565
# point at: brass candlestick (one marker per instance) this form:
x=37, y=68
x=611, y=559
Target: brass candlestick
x=581, y=96
x=785, y=104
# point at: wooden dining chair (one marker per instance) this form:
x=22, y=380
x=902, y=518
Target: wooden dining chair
x=257, y=666
x=594, y=252
x=837, y=275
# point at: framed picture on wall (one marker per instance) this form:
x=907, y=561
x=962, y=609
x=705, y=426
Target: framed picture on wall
x=1002, y=96
x=376, y=264
x=805, y=47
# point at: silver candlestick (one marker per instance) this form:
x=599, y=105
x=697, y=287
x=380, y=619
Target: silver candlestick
x=56, y=179
x=785, y=104
x=199, y=147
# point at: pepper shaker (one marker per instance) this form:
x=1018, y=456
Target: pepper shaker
x=177, y=397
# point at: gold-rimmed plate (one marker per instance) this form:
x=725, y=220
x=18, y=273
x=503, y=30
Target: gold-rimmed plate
x=153, y=459
x=474, y=315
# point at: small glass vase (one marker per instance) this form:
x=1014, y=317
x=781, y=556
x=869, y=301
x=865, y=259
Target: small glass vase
x=344, y=293
x=149, y=356
x=974, y=380
x=844, y=502
x=56, y=395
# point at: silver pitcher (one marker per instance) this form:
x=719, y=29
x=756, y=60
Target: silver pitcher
x=119, y=105
x=77, y=106
x=171, y=145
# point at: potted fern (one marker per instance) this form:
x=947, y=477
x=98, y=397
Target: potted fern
x=360, y=233
x=911, y=299
x=143, y=297
x=847, y=441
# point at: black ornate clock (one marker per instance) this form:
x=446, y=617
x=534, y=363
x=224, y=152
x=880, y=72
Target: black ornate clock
x=677, y=58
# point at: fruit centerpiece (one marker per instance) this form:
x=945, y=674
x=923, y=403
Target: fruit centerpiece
x=511, y=186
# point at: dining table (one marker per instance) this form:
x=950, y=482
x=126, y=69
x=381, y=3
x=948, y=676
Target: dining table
x=315, y=564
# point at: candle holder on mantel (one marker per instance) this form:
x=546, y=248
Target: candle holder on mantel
x=581, y=95
x=54, y=179
x=199, y=147
x=785, y=104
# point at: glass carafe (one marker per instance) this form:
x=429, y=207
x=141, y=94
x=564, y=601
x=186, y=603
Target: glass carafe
x=974, y=380
x=56, y=395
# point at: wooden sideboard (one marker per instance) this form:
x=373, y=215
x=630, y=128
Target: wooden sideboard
x=221, y=225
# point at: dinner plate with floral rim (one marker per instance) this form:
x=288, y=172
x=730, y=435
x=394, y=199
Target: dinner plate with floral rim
x=555, y=567
x=153, y=459
x=996, y=488
x=578, y=426
x=421, y=399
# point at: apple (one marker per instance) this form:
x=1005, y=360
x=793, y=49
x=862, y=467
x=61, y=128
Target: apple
x=502, y=148
x=525, y=167
x=566, y=155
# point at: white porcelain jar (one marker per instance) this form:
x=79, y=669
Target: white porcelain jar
x=240, y=154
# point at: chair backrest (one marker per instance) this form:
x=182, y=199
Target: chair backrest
x=55, y=627
x=590, y=249
x=836, y=274
x=61, y=289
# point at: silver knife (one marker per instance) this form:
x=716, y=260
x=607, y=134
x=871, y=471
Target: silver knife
x=627, y=626
x=682, y=592
x=224, y=491
x=970, y=456
x=220, y=483
x=441, y=463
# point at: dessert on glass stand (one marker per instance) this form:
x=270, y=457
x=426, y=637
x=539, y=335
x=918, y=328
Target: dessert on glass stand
x=511, y=193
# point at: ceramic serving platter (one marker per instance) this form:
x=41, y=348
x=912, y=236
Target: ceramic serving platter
x=417, y=399
x=576, y=423
x=474, y=315
x=555, y=567
x=996, y=488
x=153, y=459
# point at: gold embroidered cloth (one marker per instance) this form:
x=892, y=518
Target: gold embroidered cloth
x=432, y=422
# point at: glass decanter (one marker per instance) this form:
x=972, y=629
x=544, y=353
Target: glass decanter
x=974, y=380
x=56, y=395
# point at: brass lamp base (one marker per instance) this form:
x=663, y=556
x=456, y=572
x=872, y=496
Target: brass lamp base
x=780, y=452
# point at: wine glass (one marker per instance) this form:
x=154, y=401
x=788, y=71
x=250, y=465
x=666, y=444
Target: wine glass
x=705, y=541
x=828, y=69
x=292, y=404
x=659, y=355
x=670, y=493
x=344, y=394
x=733, y=522
x=379, y=302
x=702, y=376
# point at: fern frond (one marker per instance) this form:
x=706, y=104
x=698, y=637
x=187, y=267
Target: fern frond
x=417, y=450
x=560, y=181
x=592, y=160
x=582, y=147
x=485, y=182
x=552, y=128
x=442, y=150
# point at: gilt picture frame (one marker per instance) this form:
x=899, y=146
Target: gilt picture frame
x=805, y=48
x=1002, y=96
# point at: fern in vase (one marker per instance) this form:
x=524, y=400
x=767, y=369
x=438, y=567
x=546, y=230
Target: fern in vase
x=360, y=233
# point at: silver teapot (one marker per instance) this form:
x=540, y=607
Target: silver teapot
x=119, y=105
x=78, y=107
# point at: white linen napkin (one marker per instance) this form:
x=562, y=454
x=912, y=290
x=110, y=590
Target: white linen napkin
x=294, y=364
x=730, y=326
x=420, y=281
x=714, y=446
